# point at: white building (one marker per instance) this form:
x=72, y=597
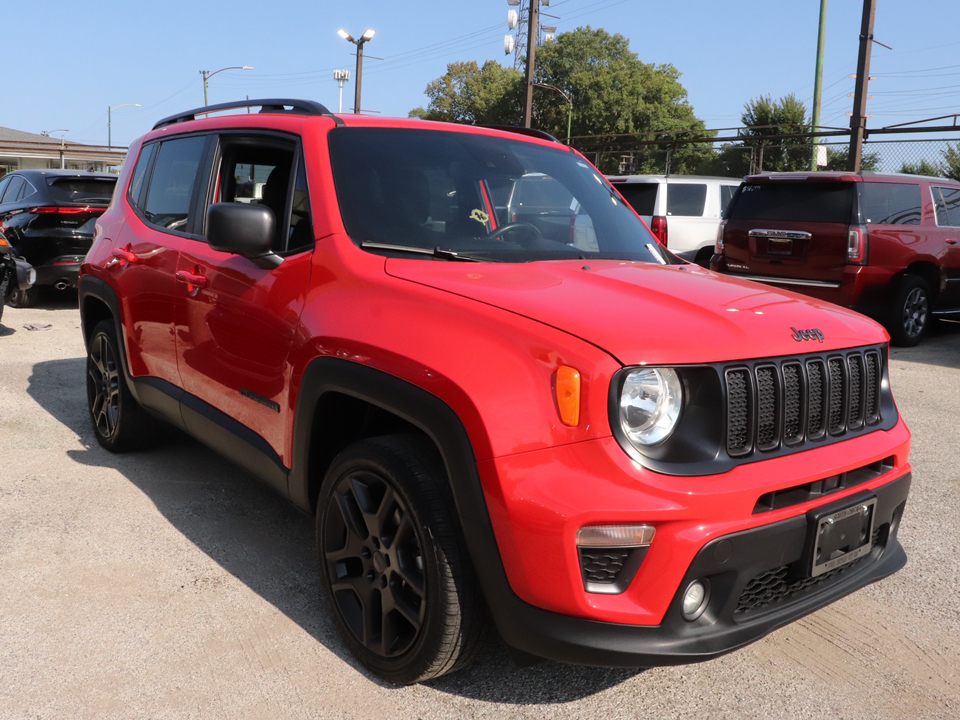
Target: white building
x=22, y=150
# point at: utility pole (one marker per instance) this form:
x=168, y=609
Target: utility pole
x=532, y=26
x=858, y=120
x=818, y=81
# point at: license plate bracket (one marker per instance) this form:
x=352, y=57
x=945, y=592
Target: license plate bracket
x=841, y=536
x=780, y=246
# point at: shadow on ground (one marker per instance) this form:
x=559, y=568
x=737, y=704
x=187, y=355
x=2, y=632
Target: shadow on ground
x=262, y=540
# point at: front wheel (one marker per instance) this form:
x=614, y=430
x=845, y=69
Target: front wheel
x=393, y=566
x=910, y=316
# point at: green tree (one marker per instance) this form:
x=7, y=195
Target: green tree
x=924, y=167
x=951, y=161
x=617, y=99
x=491, y=95
x=765, y=120
x=839, y=157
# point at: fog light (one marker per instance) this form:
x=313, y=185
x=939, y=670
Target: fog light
x=695, y=600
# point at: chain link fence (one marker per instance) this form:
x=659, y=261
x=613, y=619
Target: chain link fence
x=625, y=155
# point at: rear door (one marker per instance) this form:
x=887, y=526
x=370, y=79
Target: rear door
x=791, y=229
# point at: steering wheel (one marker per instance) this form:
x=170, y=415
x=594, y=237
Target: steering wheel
x=537, y=235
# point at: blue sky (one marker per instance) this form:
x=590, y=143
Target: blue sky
x=65, y=66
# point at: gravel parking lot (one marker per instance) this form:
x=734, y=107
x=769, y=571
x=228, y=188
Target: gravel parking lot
x=171, y=584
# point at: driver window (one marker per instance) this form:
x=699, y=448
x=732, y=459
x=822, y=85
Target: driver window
x=263, y=172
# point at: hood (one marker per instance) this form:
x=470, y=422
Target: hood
x=645, y=313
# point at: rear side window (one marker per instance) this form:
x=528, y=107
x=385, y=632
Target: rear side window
x=82, y=190
x=641, y=196
x=795, y=202
x=686, y=199
x=13, y=189
x=167, y=204
x=948, y=206
x=726, y=195
x=890, y=203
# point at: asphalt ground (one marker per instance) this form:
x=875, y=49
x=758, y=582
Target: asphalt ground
x=170, y=584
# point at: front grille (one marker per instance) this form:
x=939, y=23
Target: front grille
x=781, y=404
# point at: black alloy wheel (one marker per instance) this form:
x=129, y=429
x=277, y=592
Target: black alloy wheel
x=394, y=569
x=118, y=420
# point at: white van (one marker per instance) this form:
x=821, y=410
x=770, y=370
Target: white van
x=683, y=211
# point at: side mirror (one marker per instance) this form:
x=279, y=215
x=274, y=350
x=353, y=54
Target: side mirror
x=243, y=229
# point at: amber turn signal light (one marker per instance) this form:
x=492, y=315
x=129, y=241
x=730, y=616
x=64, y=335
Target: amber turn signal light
x=568, y=395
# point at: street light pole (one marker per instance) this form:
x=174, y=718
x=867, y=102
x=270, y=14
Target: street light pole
x=208, y=75
x=533, y=24
x=366, y=37
x=569, y=105
x=110, y=121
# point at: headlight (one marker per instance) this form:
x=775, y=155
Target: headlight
x=650, y=403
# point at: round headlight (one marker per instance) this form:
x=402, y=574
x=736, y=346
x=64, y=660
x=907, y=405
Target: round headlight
x=650, y=403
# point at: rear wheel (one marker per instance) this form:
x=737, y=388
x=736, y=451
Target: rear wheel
x=23, y=298
x=118, y=420
x=910, y=315
x=393, y=566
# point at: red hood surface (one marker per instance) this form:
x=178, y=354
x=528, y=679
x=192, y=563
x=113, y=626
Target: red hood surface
x=645, y=313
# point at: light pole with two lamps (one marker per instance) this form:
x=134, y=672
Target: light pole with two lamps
x=110, y=121
x=569, y=104
x=366, y=37
x=208, y=75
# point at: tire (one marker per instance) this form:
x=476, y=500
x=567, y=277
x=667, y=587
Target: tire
x=119, y=422
x=23, y=298
x=910, y=316
x=394, y=569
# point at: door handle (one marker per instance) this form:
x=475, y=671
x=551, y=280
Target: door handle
x=193, y=281
x=951, y=241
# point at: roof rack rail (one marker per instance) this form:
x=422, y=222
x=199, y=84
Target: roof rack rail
x=271, y=105
x=532, y=132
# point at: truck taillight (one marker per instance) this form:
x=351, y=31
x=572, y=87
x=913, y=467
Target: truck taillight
x=718, y=247
x=857, y=245
x=658, y=226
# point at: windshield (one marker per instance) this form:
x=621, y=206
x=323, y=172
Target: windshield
x=481, y=197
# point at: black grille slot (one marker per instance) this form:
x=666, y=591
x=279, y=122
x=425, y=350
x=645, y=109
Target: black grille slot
x=871, y=405
x=739, y=417
x=768, y=408
x=855, y=394
x=787, y=403
x=792, y=403
x=836, y=404
x=815, y=382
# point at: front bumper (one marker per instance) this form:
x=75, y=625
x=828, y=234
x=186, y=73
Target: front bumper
x=714, y=528
x=732, y=564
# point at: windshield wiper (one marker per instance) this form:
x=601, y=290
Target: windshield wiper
x=437, y=252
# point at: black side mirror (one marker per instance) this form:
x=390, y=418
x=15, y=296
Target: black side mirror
x=243, y=229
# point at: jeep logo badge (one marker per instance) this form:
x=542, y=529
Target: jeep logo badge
x=812, y=334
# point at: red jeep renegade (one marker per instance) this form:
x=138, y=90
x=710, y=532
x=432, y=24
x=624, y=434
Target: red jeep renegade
x=524, y=411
